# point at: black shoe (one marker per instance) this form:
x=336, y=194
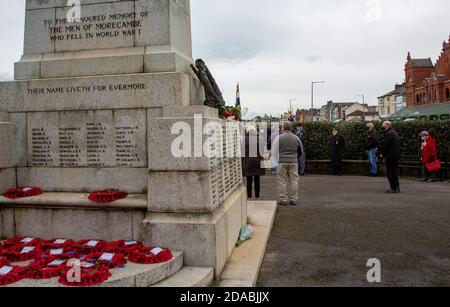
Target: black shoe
x=292, y=204
x=282, y=204
x=422, y=179
x=429, y=180
x=393, y=191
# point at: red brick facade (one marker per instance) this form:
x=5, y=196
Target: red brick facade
x=427, y=83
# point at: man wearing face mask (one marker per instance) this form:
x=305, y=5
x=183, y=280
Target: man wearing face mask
x=372, y=149
x=429, y=155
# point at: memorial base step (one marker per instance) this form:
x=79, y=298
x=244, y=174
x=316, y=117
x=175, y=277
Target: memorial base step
x=72, y=215
x=133, y=275
x=189, y=277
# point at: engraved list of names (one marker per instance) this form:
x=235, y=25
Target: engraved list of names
x=88, y=139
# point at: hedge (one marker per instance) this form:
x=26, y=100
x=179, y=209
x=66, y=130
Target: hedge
x=355, y=134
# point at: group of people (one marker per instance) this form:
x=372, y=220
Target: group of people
x=289, y=152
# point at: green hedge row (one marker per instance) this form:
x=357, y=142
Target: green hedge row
x=319, y=134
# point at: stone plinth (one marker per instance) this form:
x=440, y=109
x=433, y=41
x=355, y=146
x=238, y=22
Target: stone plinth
x=7, y=171
x=207, y=240
x=72, y=215
x=197, y=204
x=111, y=37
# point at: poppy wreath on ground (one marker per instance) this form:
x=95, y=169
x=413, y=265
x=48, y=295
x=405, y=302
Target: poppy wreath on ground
x=150, y=256
x=49, y=258
x=45, y=268
x=88, y=276
x=22, y=192
x=57, y=244
x=10, y=275
x=21, y=241
x=107, y=260
x=107, y=196
x=86, y=247
x=23, y=253
x=4, y=261
x=124, y=247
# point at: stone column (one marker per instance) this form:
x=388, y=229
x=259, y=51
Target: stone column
x=196, y=204
x=7, y=170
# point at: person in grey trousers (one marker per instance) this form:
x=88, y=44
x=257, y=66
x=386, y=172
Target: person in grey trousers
x=285, y=150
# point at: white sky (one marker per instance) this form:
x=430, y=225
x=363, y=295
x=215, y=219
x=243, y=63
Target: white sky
x=275, y=48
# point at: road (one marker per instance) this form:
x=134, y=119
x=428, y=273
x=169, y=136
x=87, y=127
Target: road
x=342, y=222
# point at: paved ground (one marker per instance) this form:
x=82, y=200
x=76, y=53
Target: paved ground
x=341, y=222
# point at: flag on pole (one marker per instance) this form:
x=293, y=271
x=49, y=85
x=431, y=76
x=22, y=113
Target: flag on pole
x=238, y=96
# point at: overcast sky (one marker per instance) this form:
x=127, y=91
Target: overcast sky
x=275, y=48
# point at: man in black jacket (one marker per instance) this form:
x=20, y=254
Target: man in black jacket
x=391, y=153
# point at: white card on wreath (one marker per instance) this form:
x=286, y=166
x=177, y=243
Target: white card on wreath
x=107, y=257
x=27, y=249
x=156, y=251
x=92, y=243
x=60, y=241
x=5, y=270
x=85, y=264
x=56, y=262
x=56, y=251
x=129, y=243
x=27, y=189
x=27, y=240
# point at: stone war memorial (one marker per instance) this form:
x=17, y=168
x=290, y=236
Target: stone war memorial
x=92, y=107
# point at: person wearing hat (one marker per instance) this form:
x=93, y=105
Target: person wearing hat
x=251, y=162
x=429, y=155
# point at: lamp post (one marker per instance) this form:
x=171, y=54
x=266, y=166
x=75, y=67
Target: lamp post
x=312, y=91
x=290, y=103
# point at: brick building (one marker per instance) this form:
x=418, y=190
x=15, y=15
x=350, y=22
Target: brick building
x=305, y=116
x=428, y=84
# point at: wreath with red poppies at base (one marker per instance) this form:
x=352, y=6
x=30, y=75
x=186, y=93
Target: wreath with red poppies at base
x=107, y=196
x=50, y=259
x=22, y=193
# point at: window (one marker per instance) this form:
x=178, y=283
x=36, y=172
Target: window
x=447, y=93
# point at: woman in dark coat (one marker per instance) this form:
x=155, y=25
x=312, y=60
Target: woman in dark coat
x=251, y=162
x=337, y=147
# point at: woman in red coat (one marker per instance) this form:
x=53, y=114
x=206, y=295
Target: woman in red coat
x=429, y=155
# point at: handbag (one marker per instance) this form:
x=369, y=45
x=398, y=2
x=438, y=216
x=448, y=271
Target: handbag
x=433, y=166
x=266, y=164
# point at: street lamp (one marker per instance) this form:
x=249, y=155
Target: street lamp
x=312, y=91
x=290, y=103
